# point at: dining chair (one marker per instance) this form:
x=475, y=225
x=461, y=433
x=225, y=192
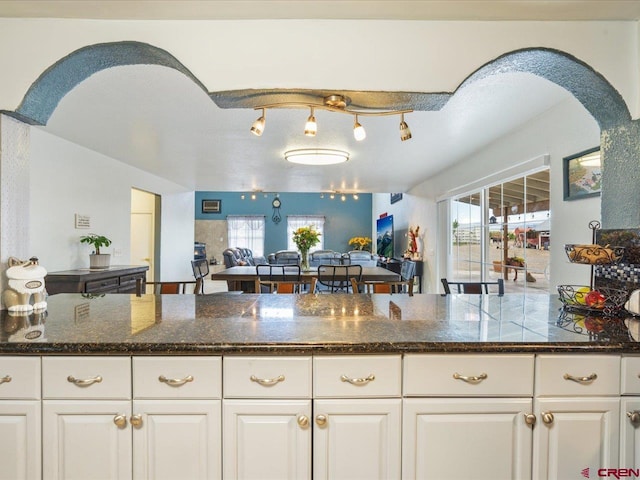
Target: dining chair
x=177, y=287
x=404, y=285
x=200, y=273
x=473, y=287
x=337, y=278
x=278, y=279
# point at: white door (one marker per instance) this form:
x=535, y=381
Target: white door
x=267, y=439
x=575, y=435
x=81, y=440
x=21, y=440
x=177, y=439
x=142, y=241
x=466, y=438
x=357, y=439
x=630, y=432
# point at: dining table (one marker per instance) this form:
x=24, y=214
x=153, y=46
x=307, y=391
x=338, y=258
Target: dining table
x=235, y=276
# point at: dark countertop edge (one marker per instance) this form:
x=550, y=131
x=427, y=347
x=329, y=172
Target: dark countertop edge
x=312, y=349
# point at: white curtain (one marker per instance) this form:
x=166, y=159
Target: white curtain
x=294, y=222
x=246, y=231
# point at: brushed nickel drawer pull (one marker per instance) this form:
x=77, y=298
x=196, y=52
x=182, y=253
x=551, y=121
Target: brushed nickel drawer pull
x=175, y=382
x=472, y=379
x=267, y=382
x=5, y=379
x=84, y=383
x=358, y=382
x=588, y=379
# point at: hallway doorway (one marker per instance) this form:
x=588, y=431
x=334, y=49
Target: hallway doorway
x=144, y=228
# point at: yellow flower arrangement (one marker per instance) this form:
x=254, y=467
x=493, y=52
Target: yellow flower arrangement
x=305, y=238
x=360, y=243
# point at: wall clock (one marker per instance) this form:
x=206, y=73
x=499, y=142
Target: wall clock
x=276, y=204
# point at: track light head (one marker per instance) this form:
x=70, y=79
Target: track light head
x=405, y=132
x=311, y=127
x=258, y=126
x=358, y=130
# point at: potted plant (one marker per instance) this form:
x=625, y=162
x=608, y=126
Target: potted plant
x=97, y=259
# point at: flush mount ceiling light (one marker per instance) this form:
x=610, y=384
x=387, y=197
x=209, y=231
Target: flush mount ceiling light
x=337, y=104
x=316, y=156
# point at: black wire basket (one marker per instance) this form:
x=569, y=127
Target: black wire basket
x=584, y=298
x=593, y=254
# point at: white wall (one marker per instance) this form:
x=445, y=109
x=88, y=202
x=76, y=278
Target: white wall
x=437, y=56
x=67, y=179
x=560, y=132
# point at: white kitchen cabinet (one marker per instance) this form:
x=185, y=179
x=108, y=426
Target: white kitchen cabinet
x=93, y=429
x=464, y=438
x=578, y=408
x=267, y=418
x=630, y=413
x=357, y=417
x=357, y=438
x=20, y=419
x=267, y=439
x=86, y=439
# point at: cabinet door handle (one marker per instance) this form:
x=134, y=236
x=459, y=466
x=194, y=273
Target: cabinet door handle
x=472, y=379
x=530, y=419
x=175, y=382
x=120, y=421
x=634, y=418
x=136, y=421
x=358, y=381
x=5, y=379
x=582, y=380
x=267, y=382
x=79, y=382
x=303, y=421
x=321, y=420
x=547, y=418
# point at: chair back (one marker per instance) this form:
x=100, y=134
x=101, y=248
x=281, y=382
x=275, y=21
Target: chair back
x=473, y=287
x=337, y=278
x=164, y=288
x=278, y=278
x=200, y=273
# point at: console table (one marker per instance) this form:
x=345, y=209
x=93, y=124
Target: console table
x=396, y=265
x=115, y=279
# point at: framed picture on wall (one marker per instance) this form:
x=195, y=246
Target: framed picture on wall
x=396, y=197
x=211, y=206
x=582, y=174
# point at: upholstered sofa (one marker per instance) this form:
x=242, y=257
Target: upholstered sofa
x=325, y=257
x=284, y=257
x=361, y=257
x=241, y=256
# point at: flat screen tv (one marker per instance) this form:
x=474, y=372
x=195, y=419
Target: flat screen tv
x=384, y=236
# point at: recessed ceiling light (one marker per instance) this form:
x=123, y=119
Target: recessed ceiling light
x=316, y=156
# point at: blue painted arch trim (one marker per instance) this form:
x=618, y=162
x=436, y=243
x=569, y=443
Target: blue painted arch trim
x=45, y=93
x=589, y=87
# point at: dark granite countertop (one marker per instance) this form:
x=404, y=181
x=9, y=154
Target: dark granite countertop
x=311, y=324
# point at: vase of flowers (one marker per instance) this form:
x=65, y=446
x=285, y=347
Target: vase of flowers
x=360, y=243
x=305, y=238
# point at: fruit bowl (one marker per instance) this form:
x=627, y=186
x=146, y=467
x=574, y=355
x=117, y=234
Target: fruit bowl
x=582, y=297
x=593, y=254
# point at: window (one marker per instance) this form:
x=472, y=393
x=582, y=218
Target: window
x=246, y=232
x=294, y=222
x=503, y=231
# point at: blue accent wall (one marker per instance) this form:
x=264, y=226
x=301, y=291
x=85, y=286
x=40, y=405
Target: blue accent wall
x=343, y=220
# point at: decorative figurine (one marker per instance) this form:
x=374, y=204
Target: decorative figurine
x=26, y=283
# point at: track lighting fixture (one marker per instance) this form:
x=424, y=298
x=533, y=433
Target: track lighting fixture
x=311, y=127
x=358, y=130
x=258, y=126
x=405, y=133
x=337, y=104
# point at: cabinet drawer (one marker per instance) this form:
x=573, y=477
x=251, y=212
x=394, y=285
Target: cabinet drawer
x=95, y=377
x=577, y=375
x=630, y=376
x=357, y=376
x=129, y=280
x=103, y=285
x=469, y=375
x=267, y=377
x=177, y=377
x=20, y=377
